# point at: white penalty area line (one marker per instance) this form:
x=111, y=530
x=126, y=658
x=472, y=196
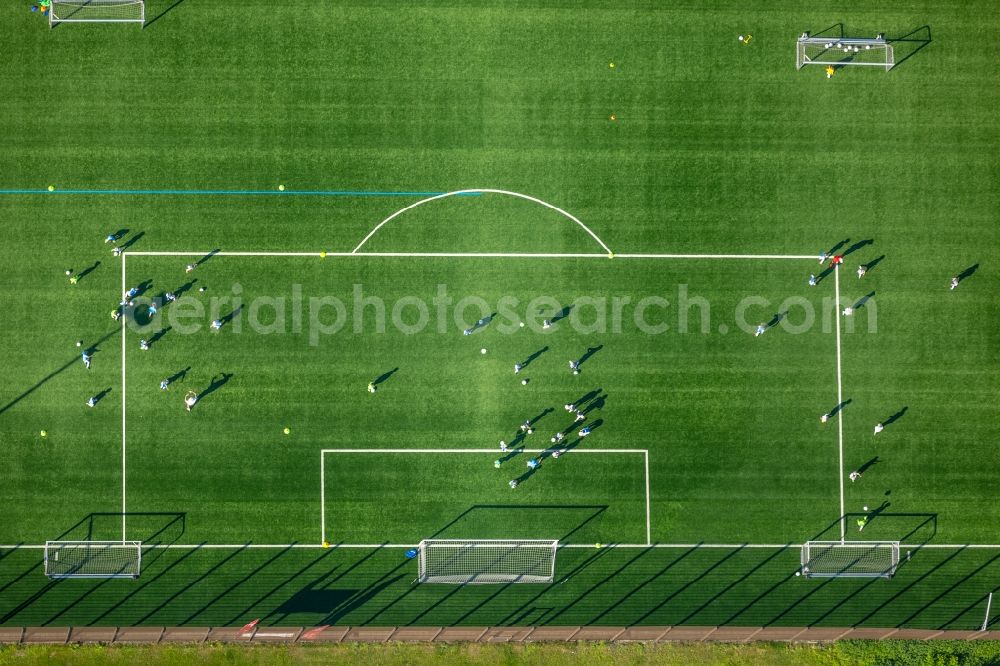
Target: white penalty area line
x=468, y=255
x=494, y=451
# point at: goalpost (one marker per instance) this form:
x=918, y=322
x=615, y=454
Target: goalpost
x=97, y=11
x=850, y=559
x=478, y=561
x=844, y=52
x=93, y=559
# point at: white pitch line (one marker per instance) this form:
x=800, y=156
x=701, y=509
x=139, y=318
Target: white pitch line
x=470, y=255
x=840, y=398
x=714, y=256
x=123, y=402
x=149, y=253
x=493, y=450
x=509, y=193
x=649, y=532
x=322, y=496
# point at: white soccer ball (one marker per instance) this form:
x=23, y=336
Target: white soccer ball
x=521, y=324
x=524, y=382
x=483, y=350
x=865, y=508
x=798, y=573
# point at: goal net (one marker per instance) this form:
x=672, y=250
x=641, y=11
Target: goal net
x=93, y=559
x=462, y=561
x=97, y=11
x=844, y=52
x=850, y=559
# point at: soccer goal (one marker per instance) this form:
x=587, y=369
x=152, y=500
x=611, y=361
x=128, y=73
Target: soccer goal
x=463, y=561
x=850, y=559
x=97, y=11
x=93, y=559
x=844, y=52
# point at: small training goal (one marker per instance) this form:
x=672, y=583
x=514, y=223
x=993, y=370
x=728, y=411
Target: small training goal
x=844, y=51
x=850, y=559
x=479, y=561
x=93, y=559
x=97, y=11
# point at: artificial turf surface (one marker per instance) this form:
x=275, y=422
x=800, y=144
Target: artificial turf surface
x=716, y=147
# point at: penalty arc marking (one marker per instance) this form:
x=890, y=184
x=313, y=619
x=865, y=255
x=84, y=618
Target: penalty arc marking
x=518, y=195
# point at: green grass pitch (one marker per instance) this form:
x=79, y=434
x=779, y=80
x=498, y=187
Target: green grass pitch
x=707, y=464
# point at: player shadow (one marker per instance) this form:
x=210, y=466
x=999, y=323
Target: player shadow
x=576, y=442
x=384, y=376
x=598, y=403
x=967, y=273
x=229, y=317
x=527, y=474
x=208, y=256
x=590, y=395
x=511, y=453
x=481, y=323
x=87, y=271
x=143, y=287
x=776, y=319
x=587, y=354
x=187, y=286
x=895, y=417
x=131, y=241
x=179, y=375
x=562, y=314
x=532, y=422
x=823, y=273
x=161, y=14
x=156, y=337
x=909, y=44
x=864, y=299
x=857, y=246
x=215, y=385
x=873, y=263
x=100, y=396
x=868, y=465
x=531, y=357
x=836, y=410
x=833, y=249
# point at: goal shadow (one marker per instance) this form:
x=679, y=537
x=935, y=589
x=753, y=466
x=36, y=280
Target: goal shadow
x=550, y=521
x=915, y=529
x=151, y=528
x=907, y=45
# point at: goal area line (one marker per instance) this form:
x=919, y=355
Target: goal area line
x=494, y=451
